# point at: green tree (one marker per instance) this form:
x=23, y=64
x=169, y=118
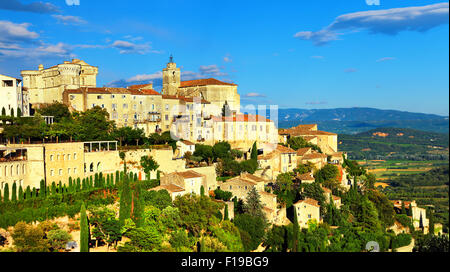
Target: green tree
x=296, y=229
x=58, y=239
x=148, y=164
x=254, y=152
x=84, y=230
x=6, y=193
x=253, y=204
x=57, y=110
x=29, y=238
x=14, y=193
x=226, y=215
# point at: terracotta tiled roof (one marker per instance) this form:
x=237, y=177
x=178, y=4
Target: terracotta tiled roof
x=140, y=86
x=306, y=176
x=169, y=187
x=284, y=149
x=187, y=142
x=303, y=151
x=203, y=82
x=189, y=174
x=309, y=138
x=309, y=201
x=252, y=177
x=313, y=156
x=107, y=90
x=326, y=190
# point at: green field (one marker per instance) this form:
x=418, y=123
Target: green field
x=384, y=170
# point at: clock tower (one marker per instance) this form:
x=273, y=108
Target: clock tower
x=171, y=78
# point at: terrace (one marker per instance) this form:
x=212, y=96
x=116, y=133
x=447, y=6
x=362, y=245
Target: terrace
x=8, y=154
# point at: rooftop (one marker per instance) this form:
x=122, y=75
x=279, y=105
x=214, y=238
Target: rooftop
x=203, y=82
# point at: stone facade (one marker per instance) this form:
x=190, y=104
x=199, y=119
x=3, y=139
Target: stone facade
x=307, y=210
x=47, y=85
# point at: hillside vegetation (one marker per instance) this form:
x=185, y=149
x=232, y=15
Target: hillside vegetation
x=395, y=144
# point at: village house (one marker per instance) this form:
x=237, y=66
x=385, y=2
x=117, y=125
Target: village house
x=326, y=141
x=308, y=210
x=185, y=146
x=306, y=178
x=180, y=183
x=328, y=194
x=417, y=214
x=281, y=160
x=13, y=96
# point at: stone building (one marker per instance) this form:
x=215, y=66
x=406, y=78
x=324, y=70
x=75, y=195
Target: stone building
x=181, y=183
x=13, y=96
x=327, y=141
x=28, y=164
x=281, y=160
x=47, y=85
x=307, y=210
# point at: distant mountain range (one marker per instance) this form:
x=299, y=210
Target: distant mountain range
x=355, y=120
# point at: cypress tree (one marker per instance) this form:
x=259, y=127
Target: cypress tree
x=14, y=193
x=226, y=216
x=410, y=210
x=254, y=154
x=19, y=112
x=60, y=188
x=295, y=232
x=83, y=187
x=202, y=190
x=28, y=192
x=42, y=189
x=84, y=230
x=6, y=193
x=20, y=193
x=125, y=201
x=53, y=188
x=421, y=222
x=33, y=195
x=1, y=198
x=431, y=222
x=137, y=204
x=12, y=112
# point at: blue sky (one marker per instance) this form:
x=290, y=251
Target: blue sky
x=299, y=54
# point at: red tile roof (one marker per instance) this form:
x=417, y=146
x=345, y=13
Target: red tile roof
x=303, y=151
x=309, y=201
x=189, y=174
x=203, y=82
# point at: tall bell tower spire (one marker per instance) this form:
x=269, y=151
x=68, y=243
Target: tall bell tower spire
x=171, y=78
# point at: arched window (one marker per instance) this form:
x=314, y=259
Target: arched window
x=24, y=169
x=18, y=169
x=99, y=167
x=12, y=170
x=91, y=167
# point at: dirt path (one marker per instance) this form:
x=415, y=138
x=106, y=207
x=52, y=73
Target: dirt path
x=407, y=248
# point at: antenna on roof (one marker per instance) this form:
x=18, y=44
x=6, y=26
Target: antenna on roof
x=171, y=59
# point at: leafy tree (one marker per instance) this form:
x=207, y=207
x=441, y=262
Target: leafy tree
x=221, y=150
x=84, y=230
x=29, y=238
x=148, y=164
x=196, y=212
x=128, y=135
x=57, y=110
x=226, y=215
x=204, y=151
x=105, y=226
x=252, y=230
x=431, y=243
x=299, y=142
x=58, y=239
x=328, y=176
x=159, y=199
x=223, y=195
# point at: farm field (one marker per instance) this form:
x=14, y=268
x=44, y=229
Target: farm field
x=386, y=169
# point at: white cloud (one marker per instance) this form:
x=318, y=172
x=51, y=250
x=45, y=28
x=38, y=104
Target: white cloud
x=351, y=70
x=211, y=70
x=387, y=21
x=385, y=59
x=126, y=47
x=254, y=95
x=12, y=32
x=146, y=77
x=69, y=20
x=35, y=7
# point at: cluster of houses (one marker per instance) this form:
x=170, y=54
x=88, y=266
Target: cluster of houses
x=193, y=111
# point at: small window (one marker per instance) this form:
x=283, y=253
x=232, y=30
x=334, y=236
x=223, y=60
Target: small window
x=60, y=172
x=99, y=97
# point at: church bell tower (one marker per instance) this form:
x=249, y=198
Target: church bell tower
x=171, y=78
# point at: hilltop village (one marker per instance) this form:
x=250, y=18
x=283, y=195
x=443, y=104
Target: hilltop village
x=65, y=140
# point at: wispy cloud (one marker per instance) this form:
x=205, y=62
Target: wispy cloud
x=35, y=7
x=351, y=70
x=212, y=70
x=227, y=58
x=69, y=20
x=387, y=21
x=385, y=59
x=12, y=32
x=254, y=95
x=126, y=47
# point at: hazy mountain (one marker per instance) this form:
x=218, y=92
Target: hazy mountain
x=356, y=120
